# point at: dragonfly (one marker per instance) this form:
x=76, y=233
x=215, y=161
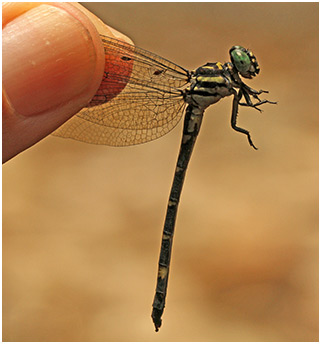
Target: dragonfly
x=142, y=97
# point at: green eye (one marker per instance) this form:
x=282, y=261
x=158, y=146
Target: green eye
x=244, y=61
x=240, y=60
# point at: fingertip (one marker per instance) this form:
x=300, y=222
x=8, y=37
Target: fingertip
x=53, y=63
x=53, y=51
x=101, y=27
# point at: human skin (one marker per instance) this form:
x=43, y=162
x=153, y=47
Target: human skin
x=53, y=63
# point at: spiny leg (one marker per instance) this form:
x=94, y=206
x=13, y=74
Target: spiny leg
x=247, y=91
x=255, y=105
x=237, y=97
x=252, y=91
x=248, y=100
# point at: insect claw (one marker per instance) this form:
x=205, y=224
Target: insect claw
x=256, y=108
x=251, y=142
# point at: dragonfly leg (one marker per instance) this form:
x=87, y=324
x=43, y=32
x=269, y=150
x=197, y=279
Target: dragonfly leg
x=236, y=100
x=252, y=91
x=247, y=91
x=249, y=101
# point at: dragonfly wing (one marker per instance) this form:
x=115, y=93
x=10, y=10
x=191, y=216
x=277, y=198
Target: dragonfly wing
x=140, y=99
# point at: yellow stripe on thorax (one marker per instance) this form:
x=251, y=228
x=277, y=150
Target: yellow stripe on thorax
x=214, y=79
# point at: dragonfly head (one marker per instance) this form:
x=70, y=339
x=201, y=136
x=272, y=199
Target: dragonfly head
x=244, y=61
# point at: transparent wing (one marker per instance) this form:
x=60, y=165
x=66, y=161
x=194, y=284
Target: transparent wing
x=140, y=99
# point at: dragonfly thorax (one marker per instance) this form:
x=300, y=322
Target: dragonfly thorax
x=209, y=84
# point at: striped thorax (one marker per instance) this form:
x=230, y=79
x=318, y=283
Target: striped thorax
x=214, y=81
x=209, y=84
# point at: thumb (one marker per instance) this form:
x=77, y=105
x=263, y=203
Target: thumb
x=53, y=63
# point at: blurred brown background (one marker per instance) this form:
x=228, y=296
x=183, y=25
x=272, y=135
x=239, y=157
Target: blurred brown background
x=82, y=223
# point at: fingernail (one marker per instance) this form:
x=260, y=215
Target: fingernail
x=48, y=59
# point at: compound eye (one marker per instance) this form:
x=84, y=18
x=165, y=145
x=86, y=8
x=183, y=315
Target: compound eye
x=241, y=60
